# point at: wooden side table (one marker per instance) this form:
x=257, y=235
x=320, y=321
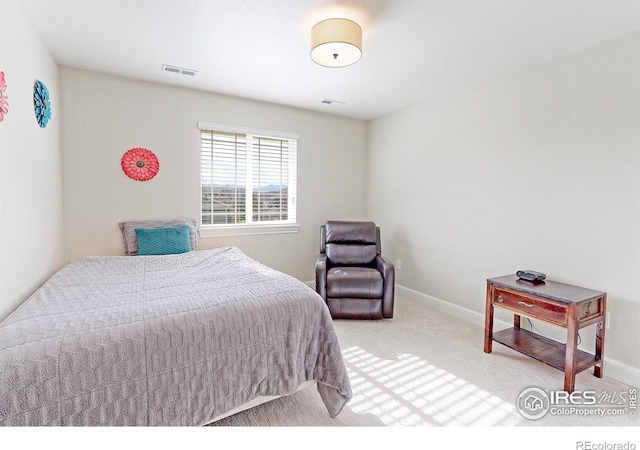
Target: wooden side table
x=568, y=306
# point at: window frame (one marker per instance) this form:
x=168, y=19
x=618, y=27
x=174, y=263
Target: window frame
x=254, y=228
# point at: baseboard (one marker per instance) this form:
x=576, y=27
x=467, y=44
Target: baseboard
x=613, y=369
x=446, y=307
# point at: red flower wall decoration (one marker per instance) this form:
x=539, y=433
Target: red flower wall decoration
x=140, y=164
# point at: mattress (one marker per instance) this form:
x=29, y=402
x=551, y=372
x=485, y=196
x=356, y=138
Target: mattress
x=164, y=340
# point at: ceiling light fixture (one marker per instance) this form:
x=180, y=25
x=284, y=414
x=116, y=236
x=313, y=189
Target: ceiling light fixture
x=336, y=42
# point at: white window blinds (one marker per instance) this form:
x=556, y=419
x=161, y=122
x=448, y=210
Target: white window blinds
x=248, y=177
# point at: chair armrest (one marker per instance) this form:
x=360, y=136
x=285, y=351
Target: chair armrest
x=385, y=267
x=321, y=275
x=389, y=275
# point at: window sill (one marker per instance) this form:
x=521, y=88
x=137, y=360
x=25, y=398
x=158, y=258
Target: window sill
x=247, y=230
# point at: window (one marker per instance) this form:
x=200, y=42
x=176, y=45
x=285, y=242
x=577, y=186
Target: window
x=248, y=180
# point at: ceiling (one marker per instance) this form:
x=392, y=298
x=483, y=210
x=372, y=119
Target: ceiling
x=259, y=49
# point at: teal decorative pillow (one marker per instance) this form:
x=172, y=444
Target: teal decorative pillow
x=163, y=241
x=129, y=231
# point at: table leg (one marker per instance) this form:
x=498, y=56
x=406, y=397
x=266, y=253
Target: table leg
x=488, y=321
x=600, y=330
x=571, y=350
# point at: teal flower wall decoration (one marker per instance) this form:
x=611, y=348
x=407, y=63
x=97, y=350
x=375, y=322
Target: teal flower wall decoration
x=41, y=103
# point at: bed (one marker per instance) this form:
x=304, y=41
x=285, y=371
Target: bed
x=163, y=340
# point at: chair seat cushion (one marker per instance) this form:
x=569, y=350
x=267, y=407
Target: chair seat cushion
x=358, y=282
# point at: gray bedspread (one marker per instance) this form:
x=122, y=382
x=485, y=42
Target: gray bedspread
x=164, y=340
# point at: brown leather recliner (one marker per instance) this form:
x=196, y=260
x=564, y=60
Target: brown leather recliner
x=351, y=274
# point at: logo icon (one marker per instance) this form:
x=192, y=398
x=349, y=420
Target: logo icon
x=533, y=403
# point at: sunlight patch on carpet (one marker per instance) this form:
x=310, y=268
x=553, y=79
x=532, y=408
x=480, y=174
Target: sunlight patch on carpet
x=409, y=391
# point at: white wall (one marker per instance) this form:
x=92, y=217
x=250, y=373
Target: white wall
x=539, y=170
x=31, y=239
x=103, y=116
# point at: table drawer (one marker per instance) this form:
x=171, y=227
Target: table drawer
x=592, y=309
x=531, y=306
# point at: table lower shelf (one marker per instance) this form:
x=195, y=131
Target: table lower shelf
x=543, y=349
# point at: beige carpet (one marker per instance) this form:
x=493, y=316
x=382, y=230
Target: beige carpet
x=424, y=368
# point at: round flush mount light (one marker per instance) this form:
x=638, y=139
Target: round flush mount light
x=336, y=42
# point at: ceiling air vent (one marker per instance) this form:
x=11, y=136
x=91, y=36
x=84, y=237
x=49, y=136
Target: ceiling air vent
x=179, y=70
